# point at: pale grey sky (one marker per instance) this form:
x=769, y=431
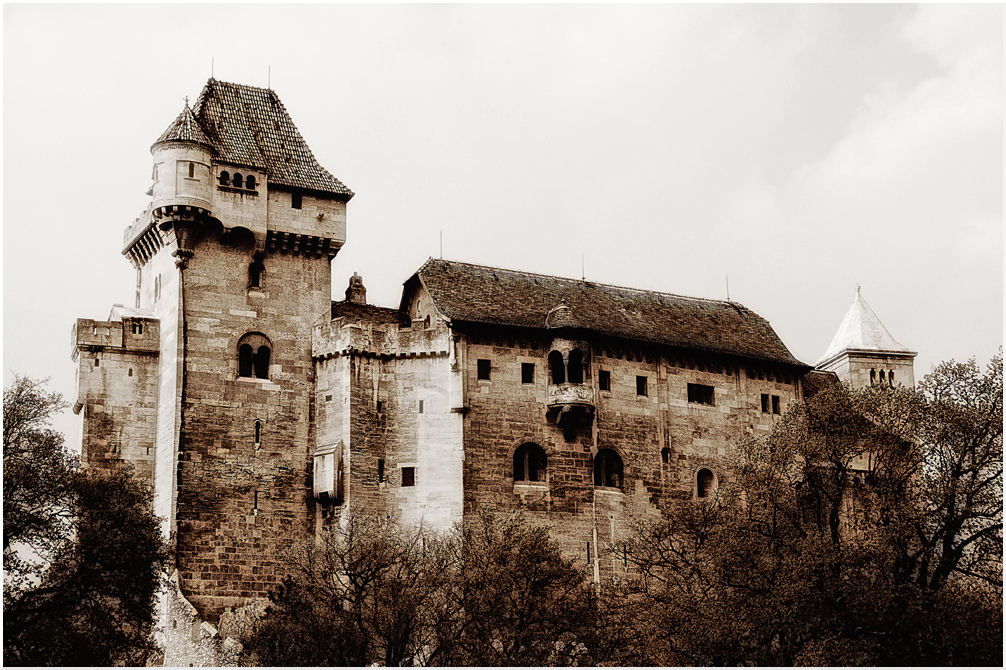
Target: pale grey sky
x=798, y=149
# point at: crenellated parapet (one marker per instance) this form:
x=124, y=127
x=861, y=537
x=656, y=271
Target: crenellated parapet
x=346, y=337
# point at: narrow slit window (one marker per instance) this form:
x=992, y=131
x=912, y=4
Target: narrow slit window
x=258, y=433
x=380, y=471
x=604, y=380
x=422, y=405
x=192, y=170
x=764, y=403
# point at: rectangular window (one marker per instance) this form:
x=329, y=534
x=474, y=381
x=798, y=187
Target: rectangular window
x=604, y=380
x=380, y=406
x=408, y=476
x=641, y=385
x=296, y=200
x=775, y=405
x=380, y=470
x=527, y=373
x=700, y=394
x=421, y=405
x=764, y=403
x=484, y=366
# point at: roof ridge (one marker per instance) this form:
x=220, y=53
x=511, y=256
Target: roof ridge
x=432, y=260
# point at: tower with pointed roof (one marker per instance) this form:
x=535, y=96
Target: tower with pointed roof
x=863, y=352
x=233, y=258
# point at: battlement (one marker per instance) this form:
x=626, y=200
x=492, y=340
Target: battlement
x=343, y=336
x=132, y=333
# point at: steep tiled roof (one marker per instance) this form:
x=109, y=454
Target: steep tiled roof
x=185, y=129
x=861, y=330
x=249, y=126
x=475, y=293
x=354, y=312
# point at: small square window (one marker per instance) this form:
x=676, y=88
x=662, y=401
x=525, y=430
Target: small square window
x=764, y=403
x=296, y=200
x=409, y=476
x=775, y=405
x=604, y=380
x=641, y=385
x=484, y=365
x=700, y=394
x=527, y=373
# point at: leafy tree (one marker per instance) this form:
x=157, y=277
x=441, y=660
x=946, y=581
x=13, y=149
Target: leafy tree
x=87, y=595
x=866, y=529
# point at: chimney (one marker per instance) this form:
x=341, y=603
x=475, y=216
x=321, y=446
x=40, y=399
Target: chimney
x=356, y=293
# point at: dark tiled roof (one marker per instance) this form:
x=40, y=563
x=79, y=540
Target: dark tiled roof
x=475, y=293
x=354, y=312
x=816, y=381
x=185, y=129
x=249, y=126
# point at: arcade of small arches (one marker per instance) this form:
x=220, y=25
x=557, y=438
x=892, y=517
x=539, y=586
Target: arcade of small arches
x=887, y=378
x=237, y=181
x=569, y=369
x=530, y=465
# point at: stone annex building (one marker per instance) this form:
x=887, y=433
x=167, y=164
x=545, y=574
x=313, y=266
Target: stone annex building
x=261, y=409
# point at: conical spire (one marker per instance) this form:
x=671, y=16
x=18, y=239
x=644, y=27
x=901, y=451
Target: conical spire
x=184, y=129
x=861, y=330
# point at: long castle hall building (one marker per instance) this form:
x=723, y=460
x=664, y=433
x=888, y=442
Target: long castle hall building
x=262, y=411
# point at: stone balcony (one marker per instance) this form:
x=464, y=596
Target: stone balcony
x=559, y=395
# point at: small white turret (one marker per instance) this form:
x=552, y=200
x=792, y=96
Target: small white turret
x=183, y=173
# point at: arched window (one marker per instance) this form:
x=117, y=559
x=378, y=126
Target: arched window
x=890, y=377
x=873, y=376
x=608, y=469
x=881, y=376
x=254, y=351
x=192, y=169
x=705, y=483
x=225, y=178
x=256, y=274
x=575, y=367
x=557, y=368
x=250, y=182
x=529, y=463
x=237, y=180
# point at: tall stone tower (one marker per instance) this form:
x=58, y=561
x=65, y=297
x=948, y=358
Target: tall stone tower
x=233, y=257
x=863, y=351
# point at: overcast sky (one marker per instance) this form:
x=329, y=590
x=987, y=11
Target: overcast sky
x=799, y=150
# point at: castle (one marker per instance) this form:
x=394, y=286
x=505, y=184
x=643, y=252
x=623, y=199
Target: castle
x=261, y=410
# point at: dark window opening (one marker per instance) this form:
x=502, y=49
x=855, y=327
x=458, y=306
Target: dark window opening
x=408, y=476
x=873, y=376
x=529, y=463
x=130, y=372
x=776, y=405
x=256, y=274
x=258, y=433
x=574, y=371
x=590, y=558
x=262, y=362
x=253, y=356
x=665, y=455
x=890, y=377
x=380, y=406
x=95, y=362
x=137, y=329
x=296, y=200
x=238, y=180
x=557, y=368
x=764, y=403
x=225, y=178
x=421, y=404
x=250, y=182
x=604, y=380
x=484, y=368
x=380, y=470
x=700, y=394
x=641, y=385
x=192, y=169
x=527, y=373
x=881, y=376
x=608, y=469
x=705, y=482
